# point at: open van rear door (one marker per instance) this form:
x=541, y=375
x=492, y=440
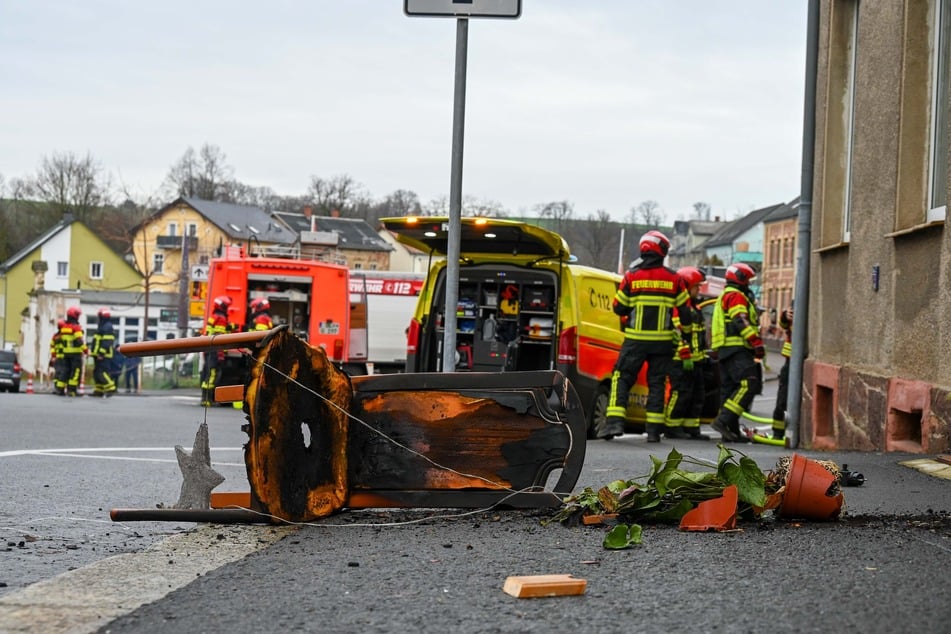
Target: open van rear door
x=492, y=237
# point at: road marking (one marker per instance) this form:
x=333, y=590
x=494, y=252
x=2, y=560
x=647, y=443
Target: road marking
x=85, y=599
x=90, y=452
x=930, y=467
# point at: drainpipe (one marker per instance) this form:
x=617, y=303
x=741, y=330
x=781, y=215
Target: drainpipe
x=804, y=239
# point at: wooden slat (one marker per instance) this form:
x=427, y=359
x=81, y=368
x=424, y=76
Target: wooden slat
x=226, y=499
x=229, y=393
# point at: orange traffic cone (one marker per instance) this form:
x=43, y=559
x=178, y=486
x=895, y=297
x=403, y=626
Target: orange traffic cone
x=29, y=385
x=82, y=386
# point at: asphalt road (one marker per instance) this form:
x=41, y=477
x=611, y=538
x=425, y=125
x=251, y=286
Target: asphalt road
x=64, y=464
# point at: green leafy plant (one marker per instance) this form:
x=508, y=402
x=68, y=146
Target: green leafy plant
x=668, y=492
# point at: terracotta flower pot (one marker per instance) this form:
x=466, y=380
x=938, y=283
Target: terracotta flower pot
x=718, y=514
x=806, y=495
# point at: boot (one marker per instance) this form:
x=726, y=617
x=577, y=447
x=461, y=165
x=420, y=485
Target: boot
x=694, y=433
x=675, y=433
x=725, y=432
x=613, y=426
x=653, y=432
x=779, y=434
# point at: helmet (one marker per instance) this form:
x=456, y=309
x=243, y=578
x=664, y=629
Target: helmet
x=654, y=242
x=260, y=305
x=222, y=302
x=692, y=276
x=104, y=313
x=740, y=274
x=73, y=312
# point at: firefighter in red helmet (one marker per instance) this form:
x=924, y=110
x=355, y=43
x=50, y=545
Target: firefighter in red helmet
x=217, y=324
x=260, y=314
x=74, y=350
x=57, y=360
x=738, y=346
x=103, y=347
x=685, y=403
x=647, y=300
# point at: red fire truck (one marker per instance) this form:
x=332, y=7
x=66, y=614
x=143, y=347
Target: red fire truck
x=326, y=304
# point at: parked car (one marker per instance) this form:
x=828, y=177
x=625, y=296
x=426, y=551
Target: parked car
x=9, y=371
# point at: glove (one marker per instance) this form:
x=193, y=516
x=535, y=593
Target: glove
x=688, y=365
x=625, y=320
x=759, y=351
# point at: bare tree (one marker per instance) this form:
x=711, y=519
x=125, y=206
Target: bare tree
x=437, y=207
x=402, y=202
x=701, y=211
x=559, y=212
x=203, y=175
x=70, y=183
x=597, y=237
x=340, y=194
x=474, y=207
x=647, y=213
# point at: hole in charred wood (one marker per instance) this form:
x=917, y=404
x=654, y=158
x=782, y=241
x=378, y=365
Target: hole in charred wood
x=305, y=433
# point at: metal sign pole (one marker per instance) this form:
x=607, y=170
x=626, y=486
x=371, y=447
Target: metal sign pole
x=455, y=198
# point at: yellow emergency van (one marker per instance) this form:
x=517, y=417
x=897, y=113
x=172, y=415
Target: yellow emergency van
x=523, y=304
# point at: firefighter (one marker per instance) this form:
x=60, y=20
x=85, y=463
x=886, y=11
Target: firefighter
x=217, y=324
x=646, y=300
x=782, y=390
x=738, y=347
x=74, y=350
x=260, y=314
x=103, y=347
x=57, y=360
x=685, y=403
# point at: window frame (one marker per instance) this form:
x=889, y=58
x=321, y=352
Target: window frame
x=93, y=266
x=938, y=117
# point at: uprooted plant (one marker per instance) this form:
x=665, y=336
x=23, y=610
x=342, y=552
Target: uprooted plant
x=669, y=491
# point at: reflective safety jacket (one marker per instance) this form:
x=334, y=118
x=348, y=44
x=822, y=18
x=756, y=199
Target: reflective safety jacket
x=217, y=324
x=262, y=321
x=104, y=341
x=648, y=295
x=785, y=322
x=695, y=332
x=71, y=336
x=735, y=320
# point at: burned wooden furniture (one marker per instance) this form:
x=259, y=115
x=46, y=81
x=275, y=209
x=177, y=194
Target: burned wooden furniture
x=320, y=440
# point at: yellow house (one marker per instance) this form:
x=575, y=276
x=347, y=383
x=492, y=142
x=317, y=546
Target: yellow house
x=203, y=227
x=67, y=256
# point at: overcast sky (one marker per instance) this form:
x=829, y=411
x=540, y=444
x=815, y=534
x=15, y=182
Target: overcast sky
x=602, y=103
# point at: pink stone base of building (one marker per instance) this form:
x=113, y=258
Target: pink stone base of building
x=845, y=408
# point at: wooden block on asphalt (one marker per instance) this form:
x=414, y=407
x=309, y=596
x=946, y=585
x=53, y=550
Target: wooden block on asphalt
x=528, y=586
x=593, y=520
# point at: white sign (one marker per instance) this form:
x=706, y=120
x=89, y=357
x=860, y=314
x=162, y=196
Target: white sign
x=199, y=273
x=464, y=8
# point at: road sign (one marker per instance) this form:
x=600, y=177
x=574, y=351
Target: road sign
x=199, y=273
x=464, y=8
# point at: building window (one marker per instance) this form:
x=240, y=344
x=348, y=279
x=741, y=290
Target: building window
x=357, y=266
x=95, y=270
x=158, y=262
x=192, y=229
x=62, y=269
x=839, y=124
x=172, y=229
x=923, y=135
x=203, y=259
x=938, y=163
